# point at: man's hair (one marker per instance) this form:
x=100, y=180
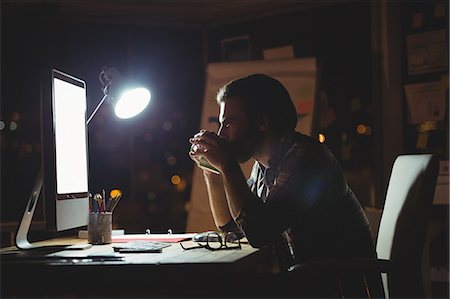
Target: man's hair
x=262, y=95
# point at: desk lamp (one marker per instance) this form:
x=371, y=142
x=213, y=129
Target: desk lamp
x=128, y=102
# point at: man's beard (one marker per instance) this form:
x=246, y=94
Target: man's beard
x=244, y=148
x=243, y=154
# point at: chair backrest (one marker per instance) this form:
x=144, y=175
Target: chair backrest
x=404, y=221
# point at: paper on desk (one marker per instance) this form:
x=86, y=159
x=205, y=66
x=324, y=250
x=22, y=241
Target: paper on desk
x=170, y=238
x=85, y=254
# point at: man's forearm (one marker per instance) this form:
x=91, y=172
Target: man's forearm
x=236, y=188
x=217, y=200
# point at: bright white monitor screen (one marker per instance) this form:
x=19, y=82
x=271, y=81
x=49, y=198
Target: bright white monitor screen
x=70, y=137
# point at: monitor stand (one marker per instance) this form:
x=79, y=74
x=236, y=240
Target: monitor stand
x=24, y=226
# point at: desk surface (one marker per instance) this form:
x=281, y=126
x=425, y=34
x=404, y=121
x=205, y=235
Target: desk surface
x=173, y=254
x=137, y=273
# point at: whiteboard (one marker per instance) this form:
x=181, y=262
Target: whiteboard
x=299, y=76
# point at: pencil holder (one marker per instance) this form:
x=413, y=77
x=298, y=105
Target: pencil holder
x=100, y=228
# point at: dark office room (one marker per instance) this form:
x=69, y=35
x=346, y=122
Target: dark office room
x=369, y=82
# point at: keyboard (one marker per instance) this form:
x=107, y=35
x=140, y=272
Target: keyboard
x=140, y=246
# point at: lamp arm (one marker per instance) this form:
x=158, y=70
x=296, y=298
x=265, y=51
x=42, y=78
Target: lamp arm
x=96, y=108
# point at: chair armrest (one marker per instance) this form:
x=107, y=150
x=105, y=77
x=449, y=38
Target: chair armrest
x=343, y=265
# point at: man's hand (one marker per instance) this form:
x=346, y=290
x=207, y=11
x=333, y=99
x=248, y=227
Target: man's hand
x=208, y=145
x=201, y=150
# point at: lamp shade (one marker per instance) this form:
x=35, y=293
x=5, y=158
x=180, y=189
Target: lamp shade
x=127, y=99
x=131, y=102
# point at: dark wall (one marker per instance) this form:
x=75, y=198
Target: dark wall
x=138, y=156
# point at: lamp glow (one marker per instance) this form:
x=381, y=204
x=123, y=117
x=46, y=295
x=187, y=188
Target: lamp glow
x=132, y=102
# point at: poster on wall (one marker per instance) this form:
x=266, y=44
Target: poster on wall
x=427, y=52
x=299, y=76
x=426, y=101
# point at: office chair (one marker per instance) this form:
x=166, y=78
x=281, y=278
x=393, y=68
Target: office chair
x=401, y=236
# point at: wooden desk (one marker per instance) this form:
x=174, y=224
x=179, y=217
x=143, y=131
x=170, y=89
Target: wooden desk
x=174, y=272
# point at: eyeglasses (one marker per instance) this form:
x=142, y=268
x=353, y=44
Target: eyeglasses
x=214, y=241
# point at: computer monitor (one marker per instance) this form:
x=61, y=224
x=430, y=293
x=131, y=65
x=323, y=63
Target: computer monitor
x=64, y=151
x=64, y=164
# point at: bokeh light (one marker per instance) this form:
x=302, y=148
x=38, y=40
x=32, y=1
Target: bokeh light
x=175, y=179
x=167, y=126
x=115, y=193
x=361, y=129
x=321, y=138
x=13, y=126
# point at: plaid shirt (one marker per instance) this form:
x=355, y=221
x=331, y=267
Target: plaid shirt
x=303, y=207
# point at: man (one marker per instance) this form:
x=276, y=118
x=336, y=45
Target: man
x=296, y=199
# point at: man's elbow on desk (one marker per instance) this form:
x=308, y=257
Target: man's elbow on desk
x=258, y=239
x=258, y=235
x=256, y=245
